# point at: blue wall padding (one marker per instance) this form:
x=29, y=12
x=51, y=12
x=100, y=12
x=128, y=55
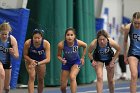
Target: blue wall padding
x=99, y=24
x=18, y=19
x=125, y=20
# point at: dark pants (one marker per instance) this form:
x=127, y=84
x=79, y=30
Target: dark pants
x=122, y=64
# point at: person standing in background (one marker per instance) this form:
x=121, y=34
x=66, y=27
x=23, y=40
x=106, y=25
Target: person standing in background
x=121, y=56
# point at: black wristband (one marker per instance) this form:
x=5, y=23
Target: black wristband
x=91, y=60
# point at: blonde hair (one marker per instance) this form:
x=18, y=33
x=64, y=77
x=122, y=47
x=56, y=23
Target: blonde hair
x=136, y=15
x=5, y=26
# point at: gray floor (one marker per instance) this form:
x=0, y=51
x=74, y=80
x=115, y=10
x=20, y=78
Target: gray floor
x=120, y=87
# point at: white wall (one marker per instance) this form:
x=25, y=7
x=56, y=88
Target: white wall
x=13, y=4
x=97, y=7
x=115, y=9
x=131, y=6
x=115, y=12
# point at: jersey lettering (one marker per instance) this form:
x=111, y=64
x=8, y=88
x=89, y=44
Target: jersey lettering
x=75, y=48
x=136, y=37
x=38, y=52
x=104, y=52
x=4, y=50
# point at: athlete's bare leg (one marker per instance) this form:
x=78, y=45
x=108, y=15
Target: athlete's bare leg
x=7, y=80
x=64, y=80
x=133, y=63
x=2, y=77
x=73, y=74
x=31, y=72
x=110, y=77
x=41, y=69
x=99, y=73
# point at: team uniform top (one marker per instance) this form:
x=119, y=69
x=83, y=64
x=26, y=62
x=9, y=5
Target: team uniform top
x=71, y=53
x=4, y=51
x=134, y=35
x=103, y=54
x=37, y=54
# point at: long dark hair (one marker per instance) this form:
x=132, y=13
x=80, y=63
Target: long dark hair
x=37, y=31
x=72, y=29
x=102, y=33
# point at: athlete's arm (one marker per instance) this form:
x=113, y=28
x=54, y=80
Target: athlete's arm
x=60, y=49
x=14, y=49
x=126, y=31
x=92, y=46
x=47, y=51
x=116, y=47
x=59, y=52
x=84, y=45
x=25, y=51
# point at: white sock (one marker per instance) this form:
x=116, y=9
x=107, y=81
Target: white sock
x=124, y=74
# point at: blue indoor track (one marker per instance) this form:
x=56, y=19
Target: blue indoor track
x=120, y=87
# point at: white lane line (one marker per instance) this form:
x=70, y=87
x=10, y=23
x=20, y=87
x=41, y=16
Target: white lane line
x=108, y=90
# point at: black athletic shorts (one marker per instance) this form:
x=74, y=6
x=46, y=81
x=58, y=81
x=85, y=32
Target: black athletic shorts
x=7, y=66
x=107, y=62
